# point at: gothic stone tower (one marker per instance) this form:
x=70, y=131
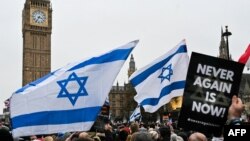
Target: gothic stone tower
x=36, y=29
x=132, y=68
x=223, y=51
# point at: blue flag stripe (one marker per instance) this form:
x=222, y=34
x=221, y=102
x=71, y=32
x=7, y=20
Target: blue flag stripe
x=119, y=54
x=136, y=115
x=56, y=117
x=34, y=83
x=165, y=91
x=141, y=77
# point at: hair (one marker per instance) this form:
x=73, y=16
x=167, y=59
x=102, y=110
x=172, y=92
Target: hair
x=152, y=125
x=141, y=136
x=83, y=135
x=183, y=135
x=48, y=138
x=165, y=131
x=123, y=135
x=154, y=135
x=134, y=127
x=174, y=137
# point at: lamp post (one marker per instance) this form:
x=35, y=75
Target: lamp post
x=227, y=33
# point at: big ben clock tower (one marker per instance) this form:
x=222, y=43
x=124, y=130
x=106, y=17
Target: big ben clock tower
x=36, y=28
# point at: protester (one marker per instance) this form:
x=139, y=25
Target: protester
x=174, y=137
x=5, y=135
x=154, y=135
x=108, y=132
x=134, y=127
x=234, y=116
x=73, y=136
x=165, y=133
x=48, y=138
x=141, y=136
x=122, y=135
x=2, y=126
x=184, y=135
x=143, y=127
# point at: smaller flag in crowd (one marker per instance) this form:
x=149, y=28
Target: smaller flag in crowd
x=163, y=79
x=136, y=114
x=106, y=103
x=244, y=59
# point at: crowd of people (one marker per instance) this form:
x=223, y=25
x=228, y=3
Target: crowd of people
x=135, y=131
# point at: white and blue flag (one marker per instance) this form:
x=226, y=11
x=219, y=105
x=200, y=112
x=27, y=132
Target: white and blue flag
x=68, y=99
x=158, y=82
x=136, y=114
x=106, y=103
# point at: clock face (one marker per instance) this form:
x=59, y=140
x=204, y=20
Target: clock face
x=39, y=16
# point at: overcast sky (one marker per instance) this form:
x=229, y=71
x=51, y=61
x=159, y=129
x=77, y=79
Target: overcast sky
x=83, y=28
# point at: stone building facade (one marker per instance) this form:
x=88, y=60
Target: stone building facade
x=121, y=98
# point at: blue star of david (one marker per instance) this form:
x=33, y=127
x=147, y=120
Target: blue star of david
x=69, y=84
x=166, y=73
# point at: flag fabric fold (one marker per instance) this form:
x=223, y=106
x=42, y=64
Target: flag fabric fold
x=136, y=114
x=68, y=99
x=161, y=80
x=244, y=59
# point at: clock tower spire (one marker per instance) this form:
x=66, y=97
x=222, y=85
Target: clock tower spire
x=132, y=67
x=36, y=29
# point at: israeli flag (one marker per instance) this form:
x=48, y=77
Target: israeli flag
x=136, y=114
x=107, y=101
x=68, y=99
x=158, y=82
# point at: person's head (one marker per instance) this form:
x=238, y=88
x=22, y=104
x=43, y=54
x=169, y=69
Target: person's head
x=33, y=137
x=48, y=138
x=154, y=135
x=165, y=132
x=183, y=135
x=123, y=135
x=141, y=136
x=197, y=136
x=3, y=126
x=134, y=127
x=152, y=125
x=174, y=137
x=83, y=135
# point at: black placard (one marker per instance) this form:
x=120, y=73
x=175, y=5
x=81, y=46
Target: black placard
x=211, y=82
